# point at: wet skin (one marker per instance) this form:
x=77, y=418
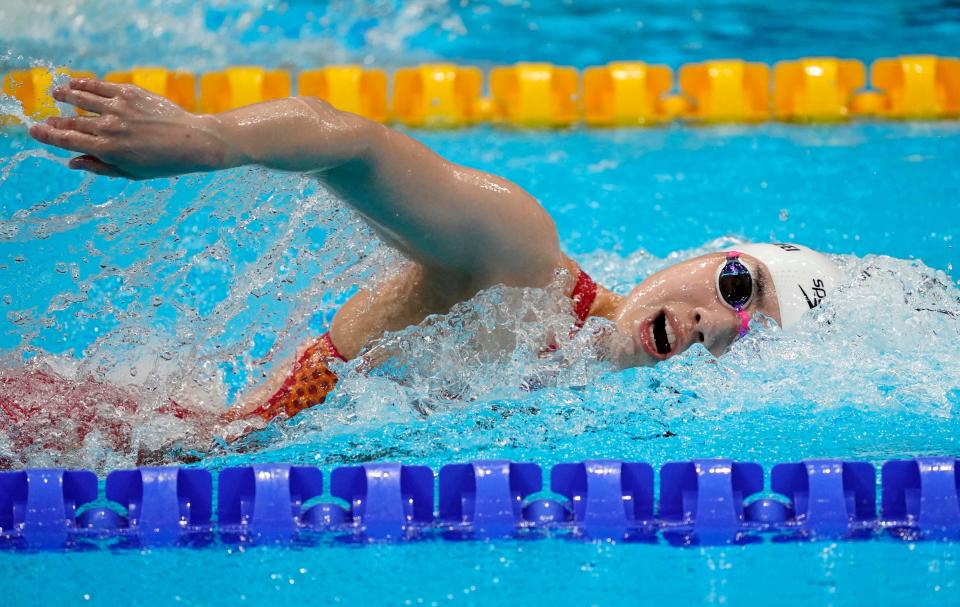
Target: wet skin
x=463, y=230
x=684, y=297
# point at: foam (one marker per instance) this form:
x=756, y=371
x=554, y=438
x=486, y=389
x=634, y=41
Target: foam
x=105, y=34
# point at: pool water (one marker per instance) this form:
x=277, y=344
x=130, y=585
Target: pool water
x=193, y=288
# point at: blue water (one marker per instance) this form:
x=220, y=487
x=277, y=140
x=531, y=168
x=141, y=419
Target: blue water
x=207, y=34
x=190, y=288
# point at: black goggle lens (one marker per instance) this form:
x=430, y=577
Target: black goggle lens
x=735, y=284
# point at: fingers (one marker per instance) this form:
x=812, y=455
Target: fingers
x=97, y=87
x=75, y=141
x=84, y=124
x=95, y=165
x=82, y=99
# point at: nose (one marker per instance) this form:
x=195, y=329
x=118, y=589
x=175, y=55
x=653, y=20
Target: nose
x=715, y=327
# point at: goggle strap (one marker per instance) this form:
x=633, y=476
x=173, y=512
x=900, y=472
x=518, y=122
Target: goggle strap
x=744, y=321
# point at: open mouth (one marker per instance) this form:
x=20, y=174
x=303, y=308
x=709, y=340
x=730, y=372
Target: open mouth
x=662, y=334
x=658, y=336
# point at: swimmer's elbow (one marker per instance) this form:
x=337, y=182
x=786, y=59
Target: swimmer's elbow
x=529, y=258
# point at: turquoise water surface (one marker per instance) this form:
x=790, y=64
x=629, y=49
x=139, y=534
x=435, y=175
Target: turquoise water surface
x=192, y=288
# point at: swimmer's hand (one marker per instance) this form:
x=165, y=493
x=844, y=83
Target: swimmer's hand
x=137, y=135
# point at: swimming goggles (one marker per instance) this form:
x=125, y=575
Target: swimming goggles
x=735, y=287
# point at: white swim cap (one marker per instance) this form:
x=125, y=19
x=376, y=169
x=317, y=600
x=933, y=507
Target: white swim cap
x=801, y=276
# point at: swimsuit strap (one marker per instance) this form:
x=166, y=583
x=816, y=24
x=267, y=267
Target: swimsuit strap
x=583, y=295
x=332, y=349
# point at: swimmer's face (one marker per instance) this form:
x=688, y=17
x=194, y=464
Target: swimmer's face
x=680, y=306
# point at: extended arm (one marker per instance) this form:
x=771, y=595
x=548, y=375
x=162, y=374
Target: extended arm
x=470, y=227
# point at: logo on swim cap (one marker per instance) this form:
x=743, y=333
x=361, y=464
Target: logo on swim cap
x=818, y=290
x=802, y=277
x=787, y=246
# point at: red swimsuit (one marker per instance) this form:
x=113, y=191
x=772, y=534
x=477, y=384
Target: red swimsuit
x=583, y=295
x=311, y=379
x=308, y=384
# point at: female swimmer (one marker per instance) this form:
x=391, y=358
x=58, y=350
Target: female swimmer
x=463, y=230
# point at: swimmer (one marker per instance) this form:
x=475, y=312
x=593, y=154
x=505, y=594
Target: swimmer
x=463, y=231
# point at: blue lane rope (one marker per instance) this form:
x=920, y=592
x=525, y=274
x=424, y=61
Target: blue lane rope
x=710, y=501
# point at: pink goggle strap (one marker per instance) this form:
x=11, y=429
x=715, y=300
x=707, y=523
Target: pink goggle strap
x=744, y=317
x=744, y=321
